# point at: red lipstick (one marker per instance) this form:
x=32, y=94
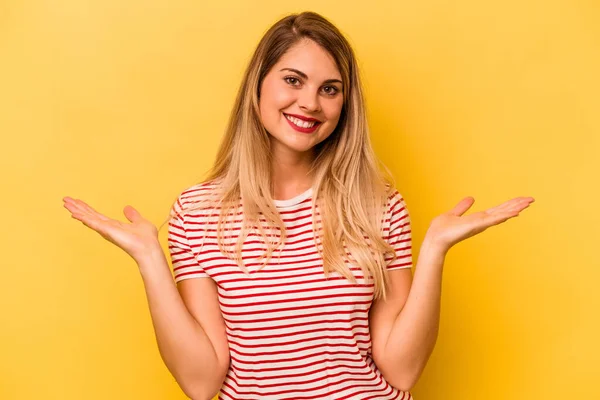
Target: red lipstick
x=302, y=129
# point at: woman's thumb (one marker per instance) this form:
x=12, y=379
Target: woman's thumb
x=462, y=206
x=132, y=214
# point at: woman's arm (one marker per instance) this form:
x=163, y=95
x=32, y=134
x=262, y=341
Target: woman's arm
x=184, y=345
x=414, y=331
x=183, y=323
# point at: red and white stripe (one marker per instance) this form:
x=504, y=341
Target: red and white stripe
x=292, y=333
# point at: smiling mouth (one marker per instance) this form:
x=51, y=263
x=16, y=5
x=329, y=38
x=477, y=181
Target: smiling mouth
x=301, y=123
x=302, y=126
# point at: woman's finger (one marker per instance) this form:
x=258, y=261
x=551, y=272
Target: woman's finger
x=503, y=217
x=510, y=205
x=132, y=214
x=87, y=218
x=462, y=206
x=517, y=207
x=502, y=207
x=85, y=208
x=497, y=217
x=78, y=206
x=92, y=224
x=72, y=204
x=72, y=207
x=92, y=211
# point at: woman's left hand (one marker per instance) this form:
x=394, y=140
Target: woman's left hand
x=452, y=227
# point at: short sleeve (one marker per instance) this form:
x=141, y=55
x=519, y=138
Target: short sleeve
x=185, y=264
x=397, y=232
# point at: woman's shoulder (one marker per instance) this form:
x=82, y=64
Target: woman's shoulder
x=197, y=197
x=199, y=191
x=392, y=192
x=395, y=199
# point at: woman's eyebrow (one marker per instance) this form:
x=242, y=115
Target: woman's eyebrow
x=303, y=75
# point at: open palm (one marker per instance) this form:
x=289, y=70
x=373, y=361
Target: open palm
x=453, y=227
x=136, y=238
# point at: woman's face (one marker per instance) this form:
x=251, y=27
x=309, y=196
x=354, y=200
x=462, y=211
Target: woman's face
x=301, y=98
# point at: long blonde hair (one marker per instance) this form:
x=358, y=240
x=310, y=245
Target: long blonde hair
x=349, y=188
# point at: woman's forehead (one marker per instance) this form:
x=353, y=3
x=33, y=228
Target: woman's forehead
x=311, y=59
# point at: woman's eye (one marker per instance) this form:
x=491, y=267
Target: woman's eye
x=331, y=90
x=291, y=80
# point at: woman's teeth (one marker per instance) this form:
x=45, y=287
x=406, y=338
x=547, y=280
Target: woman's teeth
x=300, y=123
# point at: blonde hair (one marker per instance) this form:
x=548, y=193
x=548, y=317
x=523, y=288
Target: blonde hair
x=348, y=186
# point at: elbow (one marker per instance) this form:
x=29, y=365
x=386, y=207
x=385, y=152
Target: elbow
x=403, y=370
x=405, y=383
x=403, y=377
x=199, y=381
x=199, y=390
x=205, y=388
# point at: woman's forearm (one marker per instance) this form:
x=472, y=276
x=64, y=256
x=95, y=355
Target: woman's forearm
x=415, y=330
x=183, y=345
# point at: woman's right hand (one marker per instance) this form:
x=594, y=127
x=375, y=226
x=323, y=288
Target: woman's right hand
x=138, y=238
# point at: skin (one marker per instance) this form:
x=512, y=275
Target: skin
x=314, y=96
x=403, y=329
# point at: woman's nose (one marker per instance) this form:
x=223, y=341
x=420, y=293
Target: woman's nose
x=309, y=101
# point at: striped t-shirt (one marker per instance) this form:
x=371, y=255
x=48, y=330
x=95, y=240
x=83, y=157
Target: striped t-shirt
x=292, y=333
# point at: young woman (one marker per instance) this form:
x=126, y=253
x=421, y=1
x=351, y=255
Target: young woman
x=292, y=260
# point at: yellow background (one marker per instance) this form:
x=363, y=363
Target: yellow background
x=124, y=102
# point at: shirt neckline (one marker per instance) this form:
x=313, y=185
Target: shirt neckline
x=294, y=200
